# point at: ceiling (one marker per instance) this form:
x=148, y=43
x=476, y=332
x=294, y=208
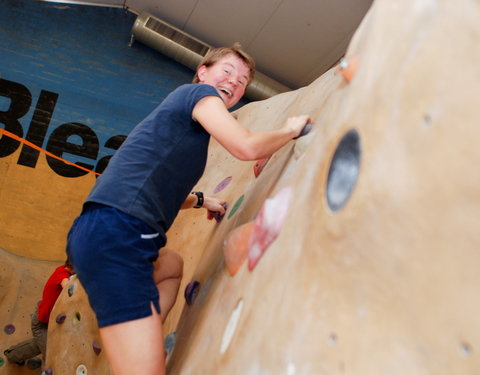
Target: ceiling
x=292, y=41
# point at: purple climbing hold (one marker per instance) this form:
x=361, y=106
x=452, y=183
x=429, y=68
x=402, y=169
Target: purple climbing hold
x=96, y=347
x=47, y=371
x=217, y=216
x=9, y=329
x=61, y=318
x=191, y=291
x=222, y=185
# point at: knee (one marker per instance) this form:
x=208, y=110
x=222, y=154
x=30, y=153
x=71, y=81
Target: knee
x=172, y=261
x=177, y=262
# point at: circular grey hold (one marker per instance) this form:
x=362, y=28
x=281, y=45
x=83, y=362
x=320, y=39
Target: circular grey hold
x=344, y=170
x=71, y=289
x=81, y=370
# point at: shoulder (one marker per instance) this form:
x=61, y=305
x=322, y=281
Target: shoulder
x=194, y=89
x=187, y=96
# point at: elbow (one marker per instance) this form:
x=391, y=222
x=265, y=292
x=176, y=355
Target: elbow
x=247, y=154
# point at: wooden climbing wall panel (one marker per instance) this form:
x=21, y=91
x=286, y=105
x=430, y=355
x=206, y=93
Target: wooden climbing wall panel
x=369, y=235
x=375, y=269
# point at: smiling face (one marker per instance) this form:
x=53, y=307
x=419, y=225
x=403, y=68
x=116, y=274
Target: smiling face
x=230, y=76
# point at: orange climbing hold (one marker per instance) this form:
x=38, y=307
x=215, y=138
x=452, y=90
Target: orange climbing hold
x=347, y=68
x=236, y=246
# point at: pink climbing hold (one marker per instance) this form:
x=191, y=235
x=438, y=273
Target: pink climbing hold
x=259, y=165
x=268, y=225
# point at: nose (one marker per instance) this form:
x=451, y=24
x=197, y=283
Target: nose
x=233, y=81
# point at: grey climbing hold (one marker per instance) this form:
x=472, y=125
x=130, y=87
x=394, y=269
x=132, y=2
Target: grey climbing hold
x=34, y=363
x=169, y=342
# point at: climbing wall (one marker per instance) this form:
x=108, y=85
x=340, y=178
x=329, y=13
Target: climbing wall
x=358, y=243
x=22, y=280
x=353, y=249
x=74, y=340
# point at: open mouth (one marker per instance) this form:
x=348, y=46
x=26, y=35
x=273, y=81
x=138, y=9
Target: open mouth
x=227, y=92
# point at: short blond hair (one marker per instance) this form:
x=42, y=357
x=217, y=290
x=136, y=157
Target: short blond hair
x=215, y=54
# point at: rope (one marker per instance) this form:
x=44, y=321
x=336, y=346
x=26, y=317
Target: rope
x=30, y=144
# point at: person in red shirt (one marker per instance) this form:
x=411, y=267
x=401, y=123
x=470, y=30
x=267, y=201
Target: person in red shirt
x=30, y=348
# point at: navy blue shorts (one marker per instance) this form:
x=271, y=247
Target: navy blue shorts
x=112, y=254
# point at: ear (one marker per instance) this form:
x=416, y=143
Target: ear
x=201, y=71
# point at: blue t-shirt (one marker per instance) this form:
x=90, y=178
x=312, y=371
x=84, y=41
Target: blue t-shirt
x=162, y=159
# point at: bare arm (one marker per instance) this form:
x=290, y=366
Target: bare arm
x=210, y=203
x=243, y=143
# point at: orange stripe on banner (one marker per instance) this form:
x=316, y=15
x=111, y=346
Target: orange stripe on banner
x=30, y=144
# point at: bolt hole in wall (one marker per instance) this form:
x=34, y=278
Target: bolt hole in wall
x=344, y=170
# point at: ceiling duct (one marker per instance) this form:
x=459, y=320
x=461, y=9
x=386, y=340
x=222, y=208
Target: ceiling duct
x=189, y=51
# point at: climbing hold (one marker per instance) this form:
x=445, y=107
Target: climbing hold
x=306, y=129
x=71, y=289
x=81, y=370
x=235, y=247
x=231, y=326
x=96, y=347
x=216, y=215
x=222, y=185
x=76, y=318
x=191, y=292
x=344, y=170
x=259, y=165
x=347, y=68
x=2, y=361
x=9, y=329
x=300, y=146
x=268, y=225
x=169, y=342
x=236, y=206
x=60, y=318
x=47, y=371
x=34, y=363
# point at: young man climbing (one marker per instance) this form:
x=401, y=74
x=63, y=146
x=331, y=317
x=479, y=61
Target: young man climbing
x=117, y=243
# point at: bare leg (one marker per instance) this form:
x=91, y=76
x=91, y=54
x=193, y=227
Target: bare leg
x=167, y=276
x=135, y=347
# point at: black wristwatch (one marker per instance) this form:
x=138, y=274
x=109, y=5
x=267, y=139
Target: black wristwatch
x=199, y=195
